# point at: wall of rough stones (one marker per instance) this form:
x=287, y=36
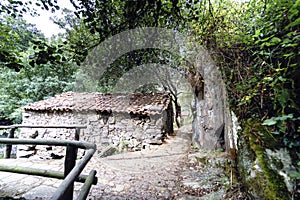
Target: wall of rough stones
x=213, y=125
x=125, y=131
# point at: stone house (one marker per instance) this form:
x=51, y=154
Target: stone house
x=129, y=121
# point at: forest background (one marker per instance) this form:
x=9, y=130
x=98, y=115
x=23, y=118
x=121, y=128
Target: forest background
x=254, y=43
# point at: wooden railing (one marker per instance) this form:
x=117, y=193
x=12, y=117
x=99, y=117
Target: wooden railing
x=71, y=170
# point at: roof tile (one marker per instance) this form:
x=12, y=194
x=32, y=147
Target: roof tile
x=150, y=103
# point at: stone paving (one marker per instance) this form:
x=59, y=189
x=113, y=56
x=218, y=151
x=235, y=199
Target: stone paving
x=167, y=172
x=148, y=174
x=31, y=187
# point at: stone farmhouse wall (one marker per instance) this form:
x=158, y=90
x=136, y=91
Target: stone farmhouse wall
x=125, y=131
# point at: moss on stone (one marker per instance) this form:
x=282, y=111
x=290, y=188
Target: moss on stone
x=277, y=163
x=272, y=184
x=275, y=187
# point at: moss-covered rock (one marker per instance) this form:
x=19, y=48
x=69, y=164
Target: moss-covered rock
x=261, y=170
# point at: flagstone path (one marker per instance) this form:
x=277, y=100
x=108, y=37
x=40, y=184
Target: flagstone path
x=171, y=171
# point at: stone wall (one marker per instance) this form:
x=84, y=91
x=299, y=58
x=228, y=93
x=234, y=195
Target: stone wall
x=212, y=125
x=265, y=173
x=125, y=131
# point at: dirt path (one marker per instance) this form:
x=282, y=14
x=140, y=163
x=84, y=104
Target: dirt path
x=149, y=174
x=170, y=171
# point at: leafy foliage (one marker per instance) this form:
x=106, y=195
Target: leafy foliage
x=32, y=67
x=17, y=8
x=276, y=55
x=112, y=17
x=15, y=37
x=256, y=44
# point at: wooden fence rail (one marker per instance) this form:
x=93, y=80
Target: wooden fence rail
x=71, y=170
x=13, y=128
x=43, y=126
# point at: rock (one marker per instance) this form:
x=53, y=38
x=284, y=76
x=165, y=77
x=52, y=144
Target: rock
x=119, y=188
x=34, y=135
x=152, y=131
x=93, y=118
x=25, y=154
x=56, y=156
x=111, y=120
x=26, y=147
x=40, y=192
x=108, y=151
x=154, y=142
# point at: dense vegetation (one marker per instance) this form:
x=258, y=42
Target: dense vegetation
x=255, y=43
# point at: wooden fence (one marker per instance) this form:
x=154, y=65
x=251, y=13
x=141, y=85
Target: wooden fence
x=71, y=170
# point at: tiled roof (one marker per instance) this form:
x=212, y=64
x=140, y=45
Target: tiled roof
x=151, y=103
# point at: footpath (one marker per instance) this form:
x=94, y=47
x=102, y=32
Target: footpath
x=173, y=170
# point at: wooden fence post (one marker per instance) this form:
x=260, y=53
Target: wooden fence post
x=70, y=162
x=77, y=134
x=11, y=134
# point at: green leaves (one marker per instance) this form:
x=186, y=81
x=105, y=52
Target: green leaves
x=296, y=174
x=274, y=120
x=32, y=68
x=269, y=122
x=281, y=126
x=17, y=8
x=256, y=44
